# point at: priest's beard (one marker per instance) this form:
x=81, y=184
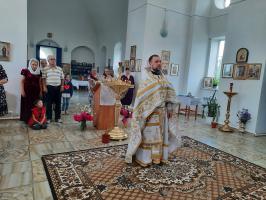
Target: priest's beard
x=156, y=71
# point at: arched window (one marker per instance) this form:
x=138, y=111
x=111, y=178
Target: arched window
x=222, y=4
x=117, y=55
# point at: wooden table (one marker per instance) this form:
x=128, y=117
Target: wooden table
x=79, y=83
x=188, y=101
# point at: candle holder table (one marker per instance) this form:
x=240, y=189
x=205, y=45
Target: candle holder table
x=119, y=87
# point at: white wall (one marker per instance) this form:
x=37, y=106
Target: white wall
x=102, y=58
x=135, y=4
x=198, y=55
x=69, y=22
x=261, y=125
x=144, y=25
x=110, y=20
x=218, y=21
x=247, y=31
x=176, y=41
x=14, y=30
x=135, y=27
x=90, y=23
x=117, y=56
x=135, y=32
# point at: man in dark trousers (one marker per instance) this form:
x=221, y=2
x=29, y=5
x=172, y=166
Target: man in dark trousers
x=53, y=80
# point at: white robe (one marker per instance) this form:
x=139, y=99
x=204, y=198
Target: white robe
x=153, y=137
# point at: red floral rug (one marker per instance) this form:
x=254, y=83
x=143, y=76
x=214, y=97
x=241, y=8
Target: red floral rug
x=194, y=171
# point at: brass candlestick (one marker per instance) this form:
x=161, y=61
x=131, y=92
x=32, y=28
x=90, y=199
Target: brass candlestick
x=230, y=94
x=119, y=87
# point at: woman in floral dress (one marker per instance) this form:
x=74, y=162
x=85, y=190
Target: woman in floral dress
x=3, y=103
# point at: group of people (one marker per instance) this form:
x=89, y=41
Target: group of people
x=153, y=133
x=108, y=75
x=42, y=87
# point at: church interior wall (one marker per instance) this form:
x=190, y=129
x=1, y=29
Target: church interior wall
x=72, y=26
x=69, y=22
x=245, y=31
x=14, y=31
x=191, y=25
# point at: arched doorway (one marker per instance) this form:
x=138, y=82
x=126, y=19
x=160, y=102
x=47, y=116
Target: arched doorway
x=82, y=61
x=47, y=47
x=83, y=54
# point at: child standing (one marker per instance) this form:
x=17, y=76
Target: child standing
x=67, y=93
x=38, y=118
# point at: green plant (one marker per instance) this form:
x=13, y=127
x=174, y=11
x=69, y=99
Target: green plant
x=213, y=107
x=215, y=82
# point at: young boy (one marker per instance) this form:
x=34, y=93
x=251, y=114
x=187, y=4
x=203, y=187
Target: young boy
x=38, y=118
x=67, y=93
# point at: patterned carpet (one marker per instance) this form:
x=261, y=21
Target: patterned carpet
x=195, y=171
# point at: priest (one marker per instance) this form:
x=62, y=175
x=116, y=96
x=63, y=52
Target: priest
x=154, y=127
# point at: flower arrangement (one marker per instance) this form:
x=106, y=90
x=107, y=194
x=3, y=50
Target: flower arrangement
x=244, y=116
x=126, y=114
x=83, y=117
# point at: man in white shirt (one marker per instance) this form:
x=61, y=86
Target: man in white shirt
x=53, y=81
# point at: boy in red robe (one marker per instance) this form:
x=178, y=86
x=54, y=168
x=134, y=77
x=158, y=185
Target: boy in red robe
x=38, y=119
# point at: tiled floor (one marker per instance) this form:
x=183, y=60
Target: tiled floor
x=21, y=172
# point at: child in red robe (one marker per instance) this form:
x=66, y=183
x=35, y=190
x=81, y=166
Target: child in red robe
x=38, y=118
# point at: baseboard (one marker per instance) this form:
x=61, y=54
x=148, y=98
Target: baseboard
x=236, y=130
x=9, y=118
x=259, y=134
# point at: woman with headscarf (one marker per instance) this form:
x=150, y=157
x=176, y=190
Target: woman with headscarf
x=30, y=86
x=3, y=103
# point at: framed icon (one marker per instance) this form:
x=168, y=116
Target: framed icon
x=242, y=55
x=174, y=69
x=4, y=51
x=240, y=71
x=253, y=71
x=227, y=70
x=133, y=50
x=207, y=82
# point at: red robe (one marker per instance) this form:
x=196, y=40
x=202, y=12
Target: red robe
x=39, y=114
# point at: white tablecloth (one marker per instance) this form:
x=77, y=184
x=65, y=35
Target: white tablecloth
x=189, y=101
x=78, y=83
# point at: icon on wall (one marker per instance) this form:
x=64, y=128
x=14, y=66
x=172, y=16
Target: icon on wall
x=253, y=71
x=4, y=51
x=133, y=50
x=242, y=55
x=240, y=71
x=174, y=69
x=227, y=70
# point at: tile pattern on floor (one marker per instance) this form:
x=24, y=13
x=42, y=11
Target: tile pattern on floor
x=22, y=176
